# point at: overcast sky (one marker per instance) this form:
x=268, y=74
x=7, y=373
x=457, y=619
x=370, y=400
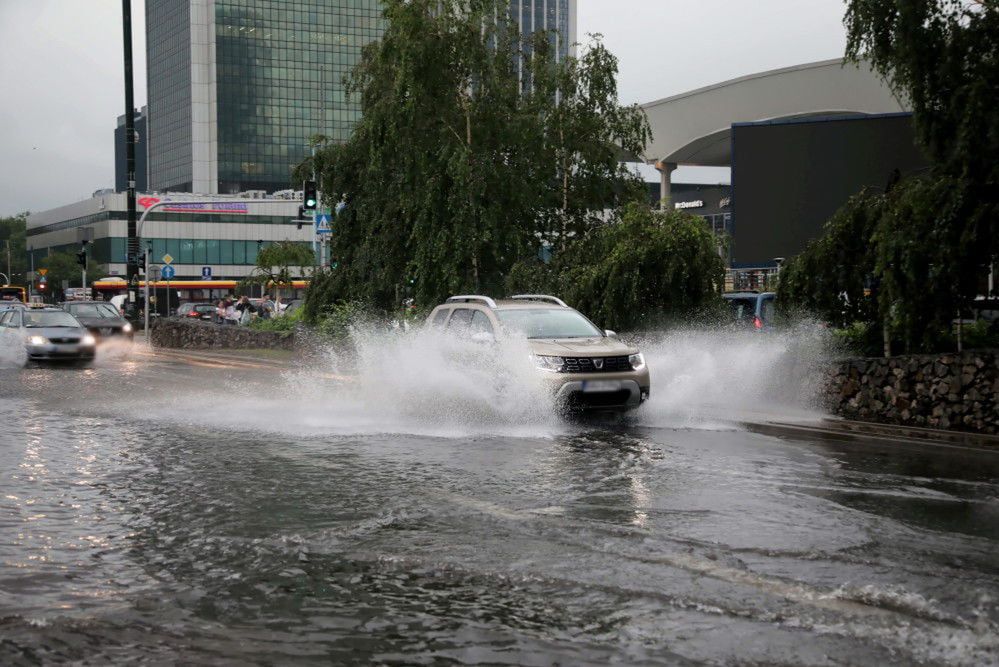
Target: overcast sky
x=61, y=72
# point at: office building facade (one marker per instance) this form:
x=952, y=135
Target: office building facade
x=237, y=87
x=224, y=236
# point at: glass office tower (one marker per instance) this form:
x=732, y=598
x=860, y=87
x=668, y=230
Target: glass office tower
x=237, y=87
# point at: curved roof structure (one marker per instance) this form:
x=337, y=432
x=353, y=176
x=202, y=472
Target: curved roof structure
x=694, y=128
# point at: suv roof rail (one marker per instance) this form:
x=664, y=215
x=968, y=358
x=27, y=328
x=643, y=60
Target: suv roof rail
x=540, y=297
x=472, y=297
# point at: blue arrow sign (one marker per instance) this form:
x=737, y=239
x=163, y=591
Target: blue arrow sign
x=206, y=272
x=168, y=272
x=323, y=224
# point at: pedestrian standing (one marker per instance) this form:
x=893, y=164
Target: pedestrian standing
x=231, y=315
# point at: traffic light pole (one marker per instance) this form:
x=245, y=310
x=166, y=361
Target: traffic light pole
x=132, y=248
x=145, y=295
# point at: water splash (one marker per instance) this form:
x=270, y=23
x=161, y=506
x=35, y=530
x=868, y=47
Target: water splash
x=702, y=377
x=425, y=382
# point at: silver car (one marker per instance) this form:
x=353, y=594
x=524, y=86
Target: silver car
x=47, y=334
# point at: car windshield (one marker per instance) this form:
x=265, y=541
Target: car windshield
x=547, y=323
x=49, y=318
x=92, y=310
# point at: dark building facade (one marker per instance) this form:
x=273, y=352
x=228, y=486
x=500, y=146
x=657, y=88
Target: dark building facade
x=120, y=184
x=790, y=176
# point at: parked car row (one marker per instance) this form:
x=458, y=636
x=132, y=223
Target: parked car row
x=71, y=332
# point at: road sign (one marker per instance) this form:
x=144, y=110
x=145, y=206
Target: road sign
x=167, y=258
x=168, y=272
x=154, y=273
x=206, y=272
x=42, y=272
x=323, y=224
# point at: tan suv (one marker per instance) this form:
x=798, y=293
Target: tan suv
x=585, y=367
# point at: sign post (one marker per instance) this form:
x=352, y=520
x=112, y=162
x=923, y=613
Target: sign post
x=145, y=327
x=167, y=272
x=323, y=229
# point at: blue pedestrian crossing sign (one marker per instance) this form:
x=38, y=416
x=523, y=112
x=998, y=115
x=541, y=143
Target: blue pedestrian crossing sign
x=323, y=224
x=168, y=272
x=206, y=273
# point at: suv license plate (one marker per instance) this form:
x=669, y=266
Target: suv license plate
x=595, y=386
x=106, y=332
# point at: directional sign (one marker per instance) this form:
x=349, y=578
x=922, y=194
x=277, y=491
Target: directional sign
x=168, y=272
x=167, y=258
x=206, y=272
x=323, y=224
x=43, y=271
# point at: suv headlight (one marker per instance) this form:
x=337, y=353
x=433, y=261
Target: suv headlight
x=127, y=328
x=637, y=361
x=38, y=340
x=88, y=340
x=550, y=364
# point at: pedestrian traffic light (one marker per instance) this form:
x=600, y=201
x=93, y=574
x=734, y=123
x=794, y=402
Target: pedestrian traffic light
x=310, y=195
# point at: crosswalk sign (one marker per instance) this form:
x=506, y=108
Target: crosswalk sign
x=323, y=224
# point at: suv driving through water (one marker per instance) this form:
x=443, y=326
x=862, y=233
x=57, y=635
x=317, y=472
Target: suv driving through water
x=585, y=368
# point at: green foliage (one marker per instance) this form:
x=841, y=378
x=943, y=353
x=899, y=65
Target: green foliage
x=943, y=57
x=281, y=262
x=454, y=172
x=284, y=324
x=859, y=338
x=12, y=231
x=924, y=247
x=339, y=318
x=650, y=267
x=63, y=266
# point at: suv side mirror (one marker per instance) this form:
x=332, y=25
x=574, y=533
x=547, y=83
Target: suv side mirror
x=610, y=334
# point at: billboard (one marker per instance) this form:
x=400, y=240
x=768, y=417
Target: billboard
x=790, y=176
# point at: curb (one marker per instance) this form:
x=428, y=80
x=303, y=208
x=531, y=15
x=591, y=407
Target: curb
x=855, y=431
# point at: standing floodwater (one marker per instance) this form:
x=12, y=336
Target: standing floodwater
x=198, y=514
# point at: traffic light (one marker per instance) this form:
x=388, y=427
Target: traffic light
x=301, y=219
x=310, y=195
x=81, y=258
x=142, y=262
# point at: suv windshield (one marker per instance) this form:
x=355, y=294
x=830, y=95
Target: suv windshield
x=548, y=323
x=49, y=318
x=92, y=310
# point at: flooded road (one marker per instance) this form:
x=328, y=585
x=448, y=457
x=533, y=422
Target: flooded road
x=179, y=512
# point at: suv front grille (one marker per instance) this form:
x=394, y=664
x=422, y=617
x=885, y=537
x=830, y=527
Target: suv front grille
x=63, y=341
x=586, y=365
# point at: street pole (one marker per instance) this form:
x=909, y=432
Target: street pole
x=8, y=259
x=31, y=285
x=145, y=327
x=132, y=249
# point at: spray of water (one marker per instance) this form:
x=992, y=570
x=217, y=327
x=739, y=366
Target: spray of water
x=424, y=382
x=705, y=376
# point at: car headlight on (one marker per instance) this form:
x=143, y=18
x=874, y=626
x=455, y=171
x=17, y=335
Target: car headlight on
x=127, y=328
x=38, y=340
x=637, y=361
x=550, y=364
x=88, y=340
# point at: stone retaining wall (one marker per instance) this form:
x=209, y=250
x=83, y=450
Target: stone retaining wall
x=949, y=391
x=191, y=334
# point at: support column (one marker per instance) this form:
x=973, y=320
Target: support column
x=665, y=185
